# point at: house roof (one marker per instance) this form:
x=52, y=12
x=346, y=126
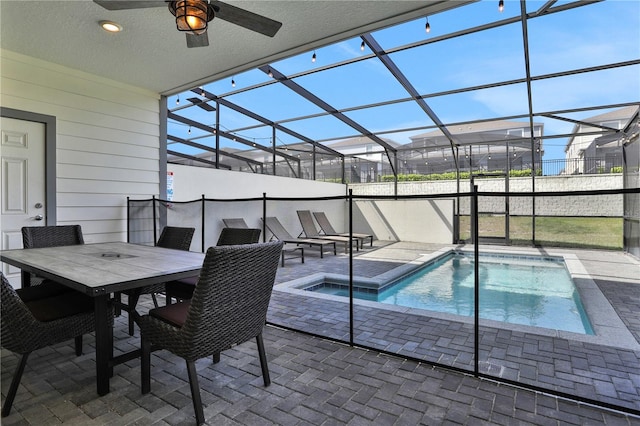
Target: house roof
x=481, y=127
x=360, y=141
x=624, y=114
x=482, y=132
x=617, y=114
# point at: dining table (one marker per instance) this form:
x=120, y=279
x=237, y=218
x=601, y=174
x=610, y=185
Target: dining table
x=99, y=270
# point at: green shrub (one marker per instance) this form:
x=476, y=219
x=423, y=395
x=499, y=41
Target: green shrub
x=616, y=169
x=524, y=173
x=450, y=176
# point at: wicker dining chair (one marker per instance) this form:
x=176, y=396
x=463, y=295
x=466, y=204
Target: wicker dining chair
x=50, y=236
x=228, y=307
x=30, y=325
x=172, y=237
x=183, y=289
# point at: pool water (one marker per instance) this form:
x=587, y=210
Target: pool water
x=535, y=291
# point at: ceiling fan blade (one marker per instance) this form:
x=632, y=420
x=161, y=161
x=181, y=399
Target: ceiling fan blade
x=244, y=18
x=202, y=104
x=122, y=5
x=200, y=40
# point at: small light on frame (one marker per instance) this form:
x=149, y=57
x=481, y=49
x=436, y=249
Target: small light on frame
x=110, y=26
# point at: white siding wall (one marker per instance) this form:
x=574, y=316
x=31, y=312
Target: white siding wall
x=107, y=140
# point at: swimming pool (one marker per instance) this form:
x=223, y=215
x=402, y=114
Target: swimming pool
x=528, y=290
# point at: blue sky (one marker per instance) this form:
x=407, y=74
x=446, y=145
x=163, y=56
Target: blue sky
x=589, y=36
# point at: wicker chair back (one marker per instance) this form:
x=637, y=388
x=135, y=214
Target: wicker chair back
x=237, y=236
x=175, y=237
x=51, y=236
x=229, y=303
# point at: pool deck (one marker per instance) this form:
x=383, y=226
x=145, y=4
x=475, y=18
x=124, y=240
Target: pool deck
x=608, y=327
x=605, y=367
x=317, y=381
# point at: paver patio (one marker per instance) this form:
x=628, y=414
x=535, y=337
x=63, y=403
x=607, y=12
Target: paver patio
x=323, y=382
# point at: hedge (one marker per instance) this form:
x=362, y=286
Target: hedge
x=450, y=176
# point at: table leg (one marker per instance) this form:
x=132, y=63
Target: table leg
x=104, y=344
x=26, y=279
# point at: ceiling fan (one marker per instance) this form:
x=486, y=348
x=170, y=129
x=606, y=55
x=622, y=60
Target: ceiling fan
x=193, y=16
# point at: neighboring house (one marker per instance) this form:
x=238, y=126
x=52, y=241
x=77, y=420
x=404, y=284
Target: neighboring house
x=483, y=147
x=488, y=146
x=596, y=146
x=367, y=159
x=293, y=160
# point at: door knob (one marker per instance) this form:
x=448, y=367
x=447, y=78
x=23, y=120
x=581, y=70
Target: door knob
x=38, y=217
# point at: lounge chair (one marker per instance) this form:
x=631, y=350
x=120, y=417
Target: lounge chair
x=236, y=222
x=275, y=227
x=310, y=231
x=327, y=229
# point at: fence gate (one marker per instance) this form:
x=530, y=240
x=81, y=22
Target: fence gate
x=493, y=212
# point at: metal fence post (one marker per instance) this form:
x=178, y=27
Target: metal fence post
x=155, y=225
x=476, y=281
x=203, y=223
x=351, y=267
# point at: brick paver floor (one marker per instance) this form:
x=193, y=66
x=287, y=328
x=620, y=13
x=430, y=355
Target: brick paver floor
x=316, y=381
x=602, y=373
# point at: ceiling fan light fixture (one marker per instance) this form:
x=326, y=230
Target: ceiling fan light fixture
x=192, y=15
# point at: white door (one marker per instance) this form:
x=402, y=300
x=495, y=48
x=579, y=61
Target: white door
x=22, y=183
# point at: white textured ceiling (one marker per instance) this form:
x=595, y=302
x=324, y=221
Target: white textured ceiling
x=150, y=52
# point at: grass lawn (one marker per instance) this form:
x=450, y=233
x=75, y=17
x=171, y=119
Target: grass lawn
x=582, y=232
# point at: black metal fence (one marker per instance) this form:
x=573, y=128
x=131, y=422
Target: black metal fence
x=583, y=166
x=632, y=201
x=361, y=171
x=544, y=359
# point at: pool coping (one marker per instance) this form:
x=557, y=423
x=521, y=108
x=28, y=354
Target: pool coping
x=609, y=329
